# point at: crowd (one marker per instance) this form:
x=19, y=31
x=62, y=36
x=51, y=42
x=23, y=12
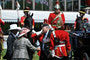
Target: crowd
x=54, y=41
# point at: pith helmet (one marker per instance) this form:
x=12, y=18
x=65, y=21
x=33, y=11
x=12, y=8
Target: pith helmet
x=57, y=6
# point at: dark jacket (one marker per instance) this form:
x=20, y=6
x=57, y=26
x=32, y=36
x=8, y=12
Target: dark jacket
x=10, y=42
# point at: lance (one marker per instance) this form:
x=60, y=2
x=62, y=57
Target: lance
x=18, y=7
x=0, y=12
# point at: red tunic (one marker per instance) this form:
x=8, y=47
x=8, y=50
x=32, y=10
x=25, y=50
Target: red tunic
x=62, y=35
x=52, y=16
x=40, y=38
x=2, y=22
x=22, y=21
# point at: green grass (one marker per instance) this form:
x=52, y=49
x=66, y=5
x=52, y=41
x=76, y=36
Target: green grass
x=35, y=56
x=3, y=54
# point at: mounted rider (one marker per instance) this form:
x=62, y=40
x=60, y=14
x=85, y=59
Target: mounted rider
x=80, y=20
x=57, y=18
x=26, y=13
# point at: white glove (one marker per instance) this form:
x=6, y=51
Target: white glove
x=17, y=34
x=51, y=27
x=52, y=53
x=33, y=31
x=39, y=32
x=18, y=5
x=38, y=48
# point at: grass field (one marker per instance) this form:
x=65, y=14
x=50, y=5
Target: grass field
x=3, y=54
x=35, y=56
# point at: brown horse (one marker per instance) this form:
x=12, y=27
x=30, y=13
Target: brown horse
x=1, y=41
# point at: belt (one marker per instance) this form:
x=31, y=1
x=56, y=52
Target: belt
x=62, y=42
x=56, y=25
x=58, y=57
x=59, y=46
x=53, y=55
x=46, y=42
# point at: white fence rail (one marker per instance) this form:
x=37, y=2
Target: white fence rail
x=39, y=16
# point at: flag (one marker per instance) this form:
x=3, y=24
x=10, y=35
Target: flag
x=87, y=2
x=0, y=7
x=17, y=5
x=9, y=0
x=29, y=1
x=2, y=0
x=46, y=2
x=0, y=11
x=41, y=1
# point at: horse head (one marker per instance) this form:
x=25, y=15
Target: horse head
x=79, y=18
x=28, y=21
x=79, y=25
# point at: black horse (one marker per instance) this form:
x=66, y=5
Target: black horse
x=28, y=24
x=80, y=23
x=28, y=21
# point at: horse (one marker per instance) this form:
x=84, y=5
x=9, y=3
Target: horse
x=28, y=24
x=28, y=21
x=79, y=24
x=1, y=42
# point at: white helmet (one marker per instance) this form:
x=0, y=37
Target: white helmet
x=57, y=5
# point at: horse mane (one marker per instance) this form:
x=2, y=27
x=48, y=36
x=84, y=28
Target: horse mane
x=79, y=25
x=28, y=21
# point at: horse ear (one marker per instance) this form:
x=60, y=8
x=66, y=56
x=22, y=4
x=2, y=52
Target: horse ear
x=77, y=16
x=31, y=15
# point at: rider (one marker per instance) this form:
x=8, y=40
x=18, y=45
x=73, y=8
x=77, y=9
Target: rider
x=26, y=12
x=57, y=18
x=80, y=20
